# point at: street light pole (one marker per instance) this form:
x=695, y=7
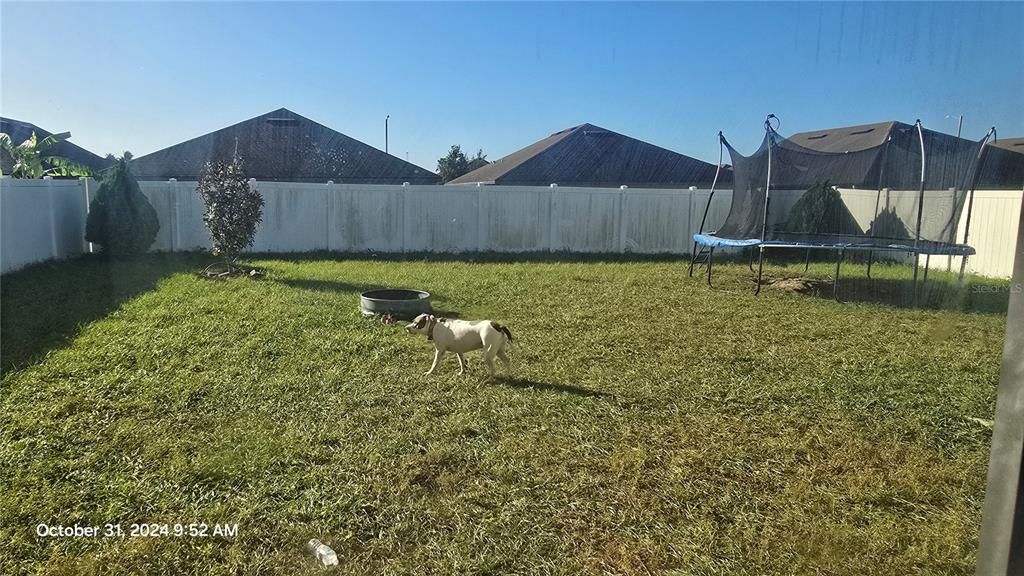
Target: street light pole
x=959, y=124
x=386, y=133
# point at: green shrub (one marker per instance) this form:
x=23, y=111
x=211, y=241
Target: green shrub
x=121, y=220
x=233, y=208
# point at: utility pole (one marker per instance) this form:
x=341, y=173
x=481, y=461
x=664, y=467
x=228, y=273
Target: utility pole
x=386, y=133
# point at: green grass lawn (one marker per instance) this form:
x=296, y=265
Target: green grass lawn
x=650, y=425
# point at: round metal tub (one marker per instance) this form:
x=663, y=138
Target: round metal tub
x=400, y=303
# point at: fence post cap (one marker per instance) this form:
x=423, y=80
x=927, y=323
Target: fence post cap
x=623, y=187
x=330, y=182
x=405, y=184
x=693, y=187
x=47, y=177
x=172, y=179
x=553, y=185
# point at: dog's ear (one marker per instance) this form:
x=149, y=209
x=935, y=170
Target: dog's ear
x=421, y=321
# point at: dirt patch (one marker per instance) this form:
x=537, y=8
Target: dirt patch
x=220, y=271
x=799, y=285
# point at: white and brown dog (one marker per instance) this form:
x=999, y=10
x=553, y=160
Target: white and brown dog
x=461, y=336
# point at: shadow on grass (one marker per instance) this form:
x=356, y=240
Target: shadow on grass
x=478, y=257
x=982, y=298
x=525, y=384
x=45, y=305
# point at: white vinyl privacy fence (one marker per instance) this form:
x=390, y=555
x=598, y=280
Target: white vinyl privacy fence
x=44, y=219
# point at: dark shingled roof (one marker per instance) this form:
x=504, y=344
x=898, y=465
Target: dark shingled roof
x=847, y=138
x=20, y=131
x=1004, y=160
x=589, y=155
x=1004, y=165
x=283, y=146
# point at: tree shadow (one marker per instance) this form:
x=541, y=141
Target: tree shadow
x=526, y=384
x=46, y=305
x=337, y=286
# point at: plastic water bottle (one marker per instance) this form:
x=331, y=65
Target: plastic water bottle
x=323, y=553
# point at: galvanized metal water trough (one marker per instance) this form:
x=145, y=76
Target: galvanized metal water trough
x=399, y=303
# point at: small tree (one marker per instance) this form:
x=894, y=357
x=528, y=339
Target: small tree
x=478, y=161
x=233, y=208
x=455, y=163
x=121, y=220
x=30, y=159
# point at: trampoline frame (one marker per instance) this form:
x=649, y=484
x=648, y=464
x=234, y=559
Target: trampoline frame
x=762, y=245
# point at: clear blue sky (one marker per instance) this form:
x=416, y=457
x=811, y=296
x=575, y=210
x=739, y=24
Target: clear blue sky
x=141, y=77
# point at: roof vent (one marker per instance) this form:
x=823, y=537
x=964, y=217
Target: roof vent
x=818, y=137
x=862, y=131
x=597, y=133
x=283, y=121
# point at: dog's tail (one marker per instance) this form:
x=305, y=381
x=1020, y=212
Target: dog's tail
x=503, y=329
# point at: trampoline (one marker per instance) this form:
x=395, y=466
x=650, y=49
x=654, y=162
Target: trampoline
x=887, y=188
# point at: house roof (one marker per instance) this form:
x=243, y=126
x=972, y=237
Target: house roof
x=588, y=155
x=1011, y=144
x=20, y=131
x=847, y=138
x=1003, y=165
x=283, y=146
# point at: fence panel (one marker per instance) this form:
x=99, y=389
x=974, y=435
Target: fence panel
x=441, y=219
x=656, y=221
x=585, y=220
x=516, y=219
x=162, y=196
x=44, y=219
x=294, y=217
x=39, y=220
x=366, y=220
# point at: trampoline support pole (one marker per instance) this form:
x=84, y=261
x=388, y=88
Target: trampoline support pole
x=917, y=258
x=920, y=206
x=750, y=261
x=927, y=265
x=769, y=135
x=760, y=268
x=979, y=164
x=835, y=284
x=807, y=259
x=711, y=254
x=711, y=196
x=871, y=259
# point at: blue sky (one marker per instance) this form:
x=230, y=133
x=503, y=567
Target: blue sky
x=498, y=76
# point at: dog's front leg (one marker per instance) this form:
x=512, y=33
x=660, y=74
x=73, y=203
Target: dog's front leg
x=437, y=360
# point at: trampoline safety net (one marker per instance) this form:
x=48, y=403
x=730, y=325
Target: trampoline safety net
x=871, y=196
